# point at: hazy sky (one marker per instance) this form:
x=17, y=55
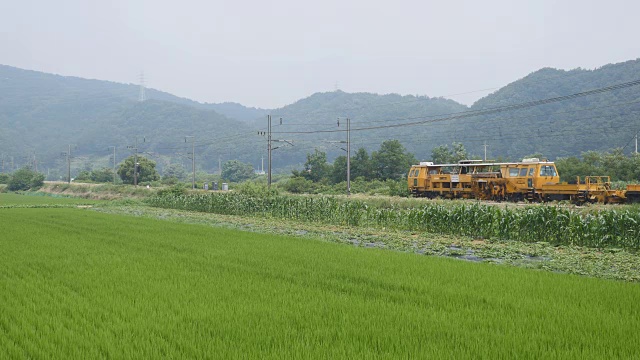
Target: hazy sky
x=272, y=53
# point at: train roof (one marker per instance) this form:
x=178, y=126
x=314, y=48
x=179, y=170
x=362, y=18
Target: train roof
x=480, y=163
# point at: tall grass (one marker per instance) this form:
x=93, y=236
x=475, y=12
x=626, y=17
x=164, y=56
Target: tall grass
x=553, y=224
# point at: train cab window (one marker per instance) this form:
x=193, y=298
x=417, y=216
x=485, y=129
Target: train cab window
x=412, y=173
x=523, y=172
x=433, y=171
x=531, y=170
x=513, y=172
x=547, y=170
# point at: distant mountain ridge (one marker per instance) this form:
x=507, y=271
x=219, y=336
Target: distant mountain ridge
x=597, y=122
x=42, y=113
x=51, y=85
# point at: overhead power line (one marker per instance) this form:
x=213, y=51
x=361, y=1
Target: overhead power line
x=488, y=111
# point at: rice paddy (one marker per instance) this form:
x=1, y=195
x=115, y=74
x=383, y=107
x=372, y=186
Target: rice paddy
x=40, y=199
x=79, y=284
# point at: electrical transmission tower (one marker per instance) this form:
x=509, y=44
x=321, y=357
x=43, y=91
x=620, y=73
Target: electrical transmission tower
x=142, y=97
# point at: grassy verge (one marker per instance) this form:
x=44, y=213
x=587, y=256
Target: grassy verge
x=79, y=284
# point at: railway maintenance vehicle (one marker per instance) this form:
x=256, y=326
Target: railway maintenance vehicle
x=532, y=179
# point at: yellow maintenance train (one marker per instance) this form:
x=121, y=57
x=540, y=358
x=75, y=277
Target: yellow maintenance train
x=531, y=179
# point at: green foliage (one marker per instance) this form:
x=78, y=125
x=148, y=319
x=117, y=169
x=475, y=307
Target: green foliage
x=256, y=189
x=237, y=171
x=614, y=163
x=361, y=166
x=398, y=188
x=339, y=170
x=84, y=175
x=4, y=178
x=173, y=174
x=442, y=155
x=103, y=175
x=392, y=161
x=361, y=186
x=175, y=190
x=316, y=168
x=25, y=179
x=301, y=185
x=146, y=170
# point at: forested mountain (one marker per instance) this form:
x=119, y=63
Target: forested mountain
x=596, y=122
x=43, y=113
x=320, y=122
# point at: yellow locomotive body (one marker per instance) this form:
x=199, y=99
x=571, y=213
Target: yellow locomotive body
x=532, y=179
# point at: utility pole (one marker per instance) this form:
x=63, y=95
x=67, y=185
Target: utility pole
x=69, y=164
x=485, y=151
x=269, y=151
x=636, y=142
x=114, y=164
x=193, y=160
x=270, y=148
x=67, y=154
x=135, y=160
x=348, y=150
x=348, y=157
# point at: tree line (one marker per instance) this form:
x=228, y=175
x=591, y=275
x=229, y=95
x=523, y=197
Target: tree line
x=390, y=163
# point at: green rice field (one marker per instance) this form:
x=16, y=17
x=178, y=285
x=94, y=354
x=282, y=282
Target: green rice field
x=41, y=199
x=75, y=283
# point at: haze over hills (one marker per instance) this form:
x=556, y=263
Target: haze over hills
x=43, y=113
x=596, y=122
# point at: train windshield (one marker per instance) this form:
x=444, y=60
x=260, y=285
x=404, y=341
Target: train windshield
x=548, y=170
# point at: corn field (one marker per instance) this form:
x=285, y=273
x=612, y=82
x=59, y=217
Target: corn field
x=552, y=224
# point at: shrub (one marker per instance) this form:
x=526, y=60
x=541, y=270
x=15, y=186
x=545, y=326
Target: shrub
x=25, y=179
x=300, y=185
x=175, y=190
